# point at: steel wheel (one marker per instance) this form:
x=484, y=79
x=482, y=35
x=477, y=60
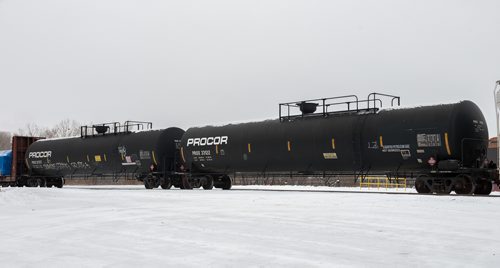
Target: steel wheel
x=484, y=187
x=166, y=183
x=464, y=184
x=32, y=182
x=226, y=182
x=185, y=183
x=421, y=184
x=148, y=183
x=156, y=182
x=447, y=187
x=59, y=183
x=209, y=183
x=42, y=182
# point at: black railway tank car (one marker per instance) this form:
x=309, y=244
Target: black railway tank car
x=444, y=146
x=106, y=150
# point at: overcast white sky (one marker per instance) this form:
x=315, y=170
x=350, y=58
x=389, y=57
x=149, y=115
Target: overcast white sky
x=188, y=63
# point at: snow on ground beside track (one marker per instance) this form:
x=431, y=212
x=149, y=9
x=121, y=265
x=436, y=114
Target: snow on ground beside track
x=117, y=226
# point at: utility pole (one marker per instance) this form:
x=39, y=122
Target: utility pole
x=496, y=93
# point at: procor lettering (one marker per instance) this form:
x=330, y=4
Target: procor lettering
x=44, y=154
x=219, y=140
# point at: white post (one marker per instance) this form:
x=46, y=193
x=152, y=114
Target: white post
x=497, y=109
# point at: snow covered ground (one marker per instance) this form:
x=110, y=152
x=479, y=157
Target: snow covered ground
x=117, y=226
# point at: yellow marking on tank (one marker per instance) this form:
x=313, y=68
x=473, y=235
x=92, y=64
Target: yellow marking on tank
x=289, y=145
x=182, y=155
x=97, y=158
x=333, y=143
x=88, y=159
x=105, y=159
x=217, y=149
x=67, y=158
x=154, y=158
x=249, y=148
x=381, y=141
x=447, y=143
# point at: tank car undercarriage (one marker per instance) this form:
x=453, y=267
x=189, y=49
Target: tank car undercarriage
x=32, y=181
x=187, y=181
x=467, y=182
x=462, y=182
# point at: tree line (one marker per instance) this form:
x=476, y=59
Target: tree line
x=65, y=128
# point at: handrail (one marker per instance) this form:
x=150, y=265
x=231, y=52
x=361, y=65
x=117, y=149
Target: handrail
x=331, y=98
x=374, y=94
x=139, y=124
x=113, y=128
x=308, y=107
x=384, y=181
x=349, y=104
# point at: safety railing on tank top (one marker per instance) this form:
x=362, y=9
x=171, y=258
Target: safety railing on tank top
x=335, y=105
x=114, y=128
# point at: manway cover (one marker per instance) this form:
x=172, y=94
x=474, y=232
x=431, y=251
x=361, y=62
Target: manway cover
x=5, y=162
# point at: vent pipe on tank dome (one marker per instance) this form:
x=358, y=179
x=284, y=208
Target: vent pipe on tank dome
x=496, y=93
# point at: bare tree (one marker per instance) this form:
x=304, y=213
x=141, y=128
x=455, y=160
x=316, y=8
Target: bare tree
x=33, y=130
x=65, y=128
x=5, y=140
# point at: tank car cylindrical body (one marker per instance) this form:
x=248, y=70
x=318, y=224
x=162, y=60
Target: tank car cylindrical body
x=396, y=140
x=136, y=154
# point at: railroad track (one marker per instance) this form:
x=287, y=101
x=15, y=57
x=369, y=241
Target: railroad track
x=355, y=192
x=279, y=190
